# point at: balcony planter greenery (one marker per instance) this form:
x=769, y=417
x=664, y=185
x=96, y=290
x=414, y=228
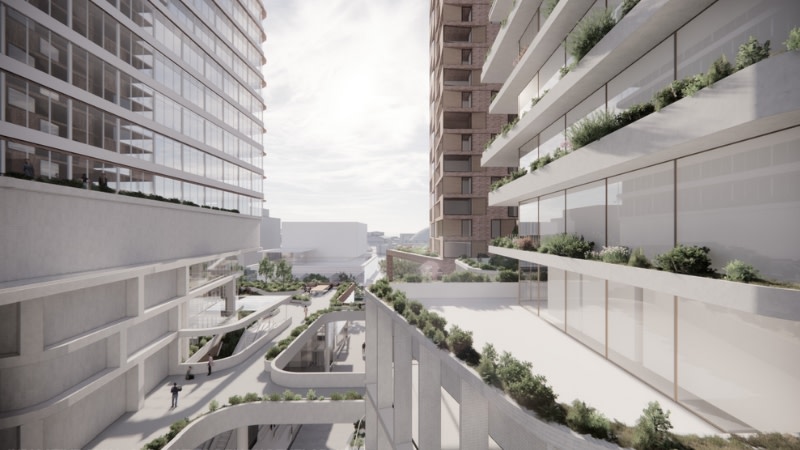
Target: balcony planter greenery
x=793, y=43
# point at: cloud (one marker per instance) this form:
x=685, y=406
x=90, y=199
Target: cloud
x=347, y=112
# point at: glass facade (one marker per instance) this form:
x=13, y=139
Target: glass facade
x=157, y=84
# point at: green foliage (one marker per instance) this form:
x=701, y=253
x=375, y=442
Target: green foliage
x=511, y=370
x=399, y=305
x=289, y=396
x=508, y=276
x=251, y=397
x=411, y=278
x=156, y=444
x=275, y=397
x=548, y=7
x=311, y=395
x=739, y=271
x=568, y=245
x=775, y=441
x=534, y=393
x=458, y=340
x=436, y=321
x=668, y=95
x=542, y=161
x=508, y=127
x=381, y=288
x=719, y=69
x=316, y=278
x=503, y=262
x=401, y=267
x=213, y=406
x=507, y=179
x=627, y=6
x=235, y=399
x=751, y=52
x=694, y=84
x=465, y=277
x=352, y=395
x=652, y=429
x=588, y=33
x=503, y=241
x=685, y=259
x=592, y=128
x=436, y=335
x=793, y=43
x=634, y=113
x=336, y=396
x=415, y=306
x=487, y=366
x=615, y=254
x=413, y=319
x=638, y=259
x=587, y=420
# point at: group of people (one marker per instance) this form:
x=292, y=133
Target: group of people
x=189, y=376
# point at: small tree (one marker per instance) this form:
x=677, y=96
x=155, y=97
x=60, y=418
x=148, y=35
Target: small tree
x=266, y=268
x=487, y=367
x=751, y=52
x=459, y=340
x=652, y=429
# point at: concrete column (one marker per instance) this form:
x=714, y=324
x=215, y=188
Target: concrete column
x=371, y=340
x=371, y=427
x=183, y=281
x=473, y=419
x=31, y=323
x=402, y=386
x=134, y=296
x=385, y=382
x=389, y=267
x=31, y=434
x=134, y=388
x=230, y=295
x=241, y=438
x=429, y=404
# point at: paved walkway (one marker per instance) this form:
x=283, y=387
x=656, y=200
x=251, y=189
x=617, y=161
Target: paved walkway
x=135, y=429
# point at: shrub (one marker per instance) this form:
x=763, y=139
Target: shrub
x=415, y=306
x=458, y=340
x=670, y=94
x=548, y=7
x=525, y=243
x=627, y=6
x=469, y=356
x=275, y=397
x=615, y=254
x=487, y=366
x=176, y=428
x=652, y=429
x=738, y=271
x=381, y=288
x=465, y=277
x=411, y=318
x=437, y=321
x=510, y=370
x=587, y=420
x=719, y=69
x=352, y=395
x=638, y=259
x=436, y=335
x=412, y=278
x=693, y=84
x=634, y=113
x=508, y=276
x=793, y=43
x=213, y=406
x=336, y=396
x=503, y=241
x=251, y=397
x=289, y=396
x=156, y=444
x=311, y=395
x=399, y=306
x=297, y=330
x=542, y=161
x=235, y=399
x=532, y=392
x=273, y=352
x=569, y=245
x=685, y=259
x=592, y=128
x=588, y=33
x=751, y=52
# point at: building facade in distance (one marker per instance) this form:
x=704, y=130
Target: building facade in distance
x=716, y=168
x=131, y=152
x=461, y=221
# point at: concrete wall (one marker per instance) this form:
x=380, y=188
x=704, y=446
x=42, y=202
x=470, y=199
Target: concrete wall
x=71, y=313
x=160, y=287
x=124, y=231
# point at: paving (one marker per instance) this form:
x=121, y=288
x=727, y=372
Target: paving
x=574, y=371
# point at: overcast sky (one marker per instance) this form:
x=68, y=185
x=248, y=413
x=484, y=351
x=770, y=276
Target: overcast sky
x=347, y=112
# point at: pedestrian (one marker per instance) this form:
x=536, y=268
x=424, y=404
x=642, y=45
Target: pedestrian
x=27, y=168
x=210, y=363
x=189, y=374
x=175, y=389
x=305, y=311
x=364, y=349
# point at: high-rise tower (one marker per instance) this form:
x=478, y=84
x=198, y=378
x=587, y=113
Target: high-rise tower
x=461, y=222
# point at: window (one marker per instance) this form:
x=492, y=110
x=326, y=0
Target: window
x=466, y=185
x=466, y=227
x=466, y=142
x=466, y=99
x=513, y=211
x=466, y=13
x=456, y=120
x=458, y=206
x=457, y=34
x=466, y=56
x=457, y=77
x=496, y=228
x=456, y=163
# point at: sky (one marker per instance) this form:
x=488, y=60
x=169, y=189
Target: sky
x=347, y=112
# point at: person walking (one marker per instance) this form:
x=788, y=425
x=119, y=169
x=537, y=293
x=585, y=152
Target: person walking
x=27, y=168
x=175, y=389
x=210, y=363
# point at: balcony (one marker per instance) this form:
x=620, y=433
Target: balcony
x=505, y=49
